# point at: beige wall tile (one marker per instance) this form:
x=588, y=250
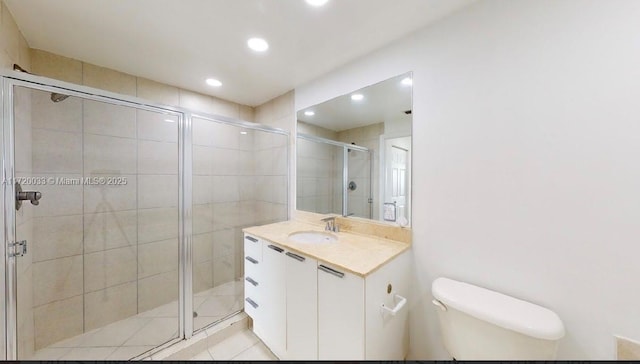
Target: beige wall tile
x=56, y=237
x=203, y=219
x=57, y=279
x=202, y=189
x=225, y=136
x=157, y=290
x=284, y=105
x=224, y=162
x=225, y=108
x=57, y=152
x=225, y=188
x=157, y=191
x=157, y=157
x=202, y=276
x=247, y=113
x=109, y=198
x=107, y=154
x=54, y=66
x=154, y=126
x=202, y=247
x=110, y=230
x=61, y=116
x=109, y=80
x=58, y=199
x=109, y=268
x=202, y=160
x=157, y=257
x=195, y=101
x=110, y=305
x=223, y=242
x=223, y=270
x=58, y=320
x=107, y=119
x=157, y=224
x=202, y=132
x=158, y=92
x=10, y=35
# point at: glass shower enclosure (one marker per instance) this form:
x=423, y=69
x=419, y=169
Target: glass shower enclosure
x=333, y=177
x=123, y=219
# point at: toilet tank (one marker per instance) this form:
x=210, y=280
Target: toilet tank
x=480, y=324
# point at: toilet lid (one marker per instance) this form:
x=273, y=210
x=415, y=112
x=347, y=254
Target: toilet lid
x=499, y=309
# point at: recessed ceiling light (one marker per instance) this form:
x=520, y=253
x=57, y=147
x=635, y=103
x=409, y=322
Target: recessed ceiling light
x=317, y=2
x=258, y=44
x=243, y=133
x=309, y=113
x=213, y=82
x=407, y=81
x=169, y=121
x=357, y=97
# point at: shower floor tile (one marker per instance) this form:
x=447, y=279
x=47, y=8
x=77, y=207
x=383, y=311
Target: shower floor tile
x=133, y=336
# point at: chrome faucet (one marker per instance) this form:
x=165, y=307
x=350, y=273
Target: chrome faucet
x=331, y=224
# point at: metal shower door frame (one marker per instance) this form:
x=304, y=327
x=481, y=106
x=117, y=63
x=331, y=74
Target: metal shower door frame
x=8, y=275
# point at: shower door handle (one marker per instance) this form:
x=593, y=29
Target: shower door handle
x=33, y=196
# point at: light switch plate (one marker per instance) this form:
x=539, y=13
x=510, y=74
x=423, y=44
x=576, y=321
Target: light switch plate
x=627, y=349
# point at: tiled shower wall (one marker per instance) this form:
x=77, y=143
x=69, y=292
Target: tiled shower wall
x=101, y=253
x=240, y=180
x=319, y=172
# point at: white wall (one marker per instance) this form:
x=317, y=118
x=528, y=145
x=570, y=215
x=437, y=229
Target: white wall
x=527, y=159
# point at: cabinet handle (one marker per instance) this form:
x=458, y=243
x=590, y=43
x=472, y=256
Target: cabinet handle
x=278, y=249
x=251, y=260
x=250, y=238
x=295, y=256
x=250, y=280
x=331, y=271
x=250, y=301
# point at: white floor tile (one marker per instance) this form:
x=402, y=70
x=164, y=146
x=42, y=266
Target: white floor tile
x=49, y=354
x=233, y=345
x=128, y=352
x=256, y=352
x=203, y=356
x=158, y=331
x=88, y=354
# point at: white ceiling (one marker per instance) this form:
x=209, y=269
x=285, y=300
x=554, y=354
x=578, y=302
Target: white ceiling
x=183, y=42
x=385, y=101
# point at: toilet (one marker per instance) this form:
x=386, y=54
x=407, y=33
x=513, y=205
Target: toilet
x=480, y=324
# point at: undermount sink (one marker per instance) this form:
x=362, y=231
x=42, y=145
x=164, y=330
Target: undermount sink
x=313, y=237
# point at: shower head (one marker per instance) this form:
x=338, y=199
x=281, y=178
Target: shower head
x=56, y=97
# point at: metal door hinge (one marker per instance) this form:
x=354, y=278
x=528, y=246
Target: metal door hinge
x=19, y=249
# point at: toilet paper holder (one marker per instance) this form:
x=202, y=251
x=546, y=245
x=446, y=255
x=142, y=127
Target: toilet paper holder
x=399, y=304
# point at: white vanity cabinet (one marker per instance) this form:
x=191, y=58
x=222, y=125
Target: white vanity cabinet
x=310, y=310
x=274, y=298
x=341, y=328
x=302, y=307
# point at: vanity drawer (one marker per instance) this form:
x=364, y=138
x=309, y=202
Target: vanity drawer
x=253, y=247
x=252, y=268
x=252, y=308
x=251, y=290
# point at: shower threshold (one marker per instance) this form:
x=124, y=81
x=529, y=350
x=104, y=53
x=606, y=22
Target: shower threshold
x=136, y=335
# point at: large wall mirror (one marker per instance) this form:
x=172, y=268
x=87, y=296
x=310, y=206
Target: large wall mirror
x=354, y=153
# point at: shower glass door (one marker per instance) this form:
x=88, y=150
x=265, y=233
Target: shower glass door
x=240, y=178
x=96, y=226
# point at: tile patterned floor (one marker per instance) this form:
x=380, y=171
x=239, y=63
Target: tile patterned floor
x=243, y=345
x=138, y=334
